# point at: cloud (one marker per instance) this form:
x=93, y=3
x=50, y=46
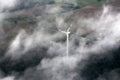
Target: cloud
x=41, y=53
x=4, y=7
x=104, y=52
x=8, y=78
x=6, y=4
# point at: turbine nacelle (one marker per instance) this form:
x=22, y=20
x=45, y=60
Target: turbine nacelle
x=67, y=31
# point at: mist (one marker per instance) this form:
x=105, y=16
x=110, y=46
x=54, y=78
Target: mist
x=38, y=51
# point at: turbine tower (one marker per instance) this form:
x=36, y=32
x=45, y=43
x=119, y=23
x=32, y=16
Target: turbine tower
x=67, y=33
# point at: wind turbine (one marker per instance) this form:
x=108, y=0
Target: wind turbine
x=67, y=33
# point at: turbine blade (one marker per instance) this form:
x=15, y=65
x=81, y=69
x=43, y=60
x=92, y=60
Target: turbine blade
x=68, y=29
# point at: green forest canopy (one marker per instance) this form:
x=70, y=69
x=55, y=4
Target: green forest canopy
x=83, y=3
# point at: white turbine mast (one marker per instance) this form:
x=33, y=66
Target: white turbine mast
x=67, y=33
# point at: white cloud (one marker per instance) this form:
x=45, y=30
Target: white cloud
x=8, y=78
x=59, y=68
x=104, y=29
x=7, y=3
